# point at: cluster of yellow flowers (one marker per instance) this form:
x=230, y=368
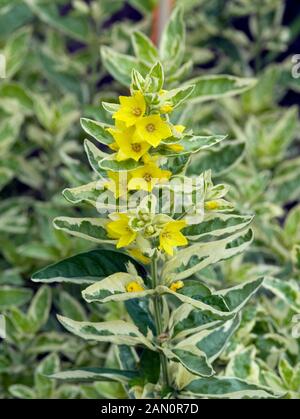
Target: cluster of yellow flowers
x=139, y=130
x=136, y=131
x=169, y=234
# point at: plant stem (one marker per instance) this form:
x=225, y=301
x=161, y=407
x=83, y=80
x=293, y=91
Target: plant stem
x=158, y=320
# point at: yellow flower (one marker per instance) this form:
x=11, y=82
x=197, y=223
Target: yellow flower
x=117, y=183
x=138, y=255
x=176, y=286
x=176, y=147
x=120, y=229
x=128, y=146
x=152, y=129
x=179, y=128
x=171, y=236
x=131, y=110
x=134, y=287
x=211, y=205
x=166, y=108
x=114, y=146
x=119, y=126
x=146, y=177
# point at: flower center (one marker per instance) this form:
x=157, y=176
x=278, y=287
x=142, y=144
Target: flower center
x=137, y=111
x=136, y=147
x=166, y=235
x=147, y=177
x=150, y=128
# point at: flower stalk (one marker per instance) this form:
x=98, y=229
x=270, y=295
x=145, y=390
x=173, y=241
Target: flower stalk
x=157, y=303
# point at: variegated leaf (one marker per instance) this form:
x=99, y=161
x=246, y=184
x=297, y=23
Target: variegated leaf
x=212, y=87
x=86, y=193
x=97, y=130
x=118, y=332
x=192, y=145
x=193, y=359
x=211, y=342
x=109, y=163
x=187, y=320
x=221, y=304
x=92, y=229
x=87, y=267
x=95, y=155
x=287, y=291
x=87, y=375
x=225, y=388
x=198, y=256
x=113, y=288
x=217, y=225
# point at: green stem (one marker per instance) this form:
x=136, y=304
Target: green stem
x=158, y=320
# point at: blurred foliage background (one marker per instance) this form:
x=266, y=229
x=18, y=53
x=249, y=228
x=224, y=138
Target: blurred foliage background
x=55, y=75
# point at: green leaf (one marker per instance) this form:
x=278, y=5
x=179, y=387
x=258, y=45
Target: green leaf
x=95, y=156
x=97, y=130
x=242, y=365
x=192, y=359
x=71, y=25
x=144, y=49
x=114, y=288
x=86, y=375
x=70, y=307
x=45, y=386
x=119, y=65
x=16, y=51
x=212, y=342
x=139, y=311
x=286, y=371
x=21, y=322
x=21, y=391
x=220, y=159
x=225, y=387
x=292, y=226
x=192, y=144
x=150, y=366
x=40, y=307
x=216, y=225
x=223, y=303
x=198, y=256
x=285, y=185
x=86, y=268
x=86, y=193
x=109, y=163
x=19, y=94
x=262, y=96
x=187, y=320
x=288, y=291
x=13, y=297
x=92, y=229
x=13, y=17
x=144, y=6
x=9, y=132
x=110, y=107
x=156, y=79
x=118, y=332
x=180, y=95
x=217, y=86
x=60, y=76
x=172, y=45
